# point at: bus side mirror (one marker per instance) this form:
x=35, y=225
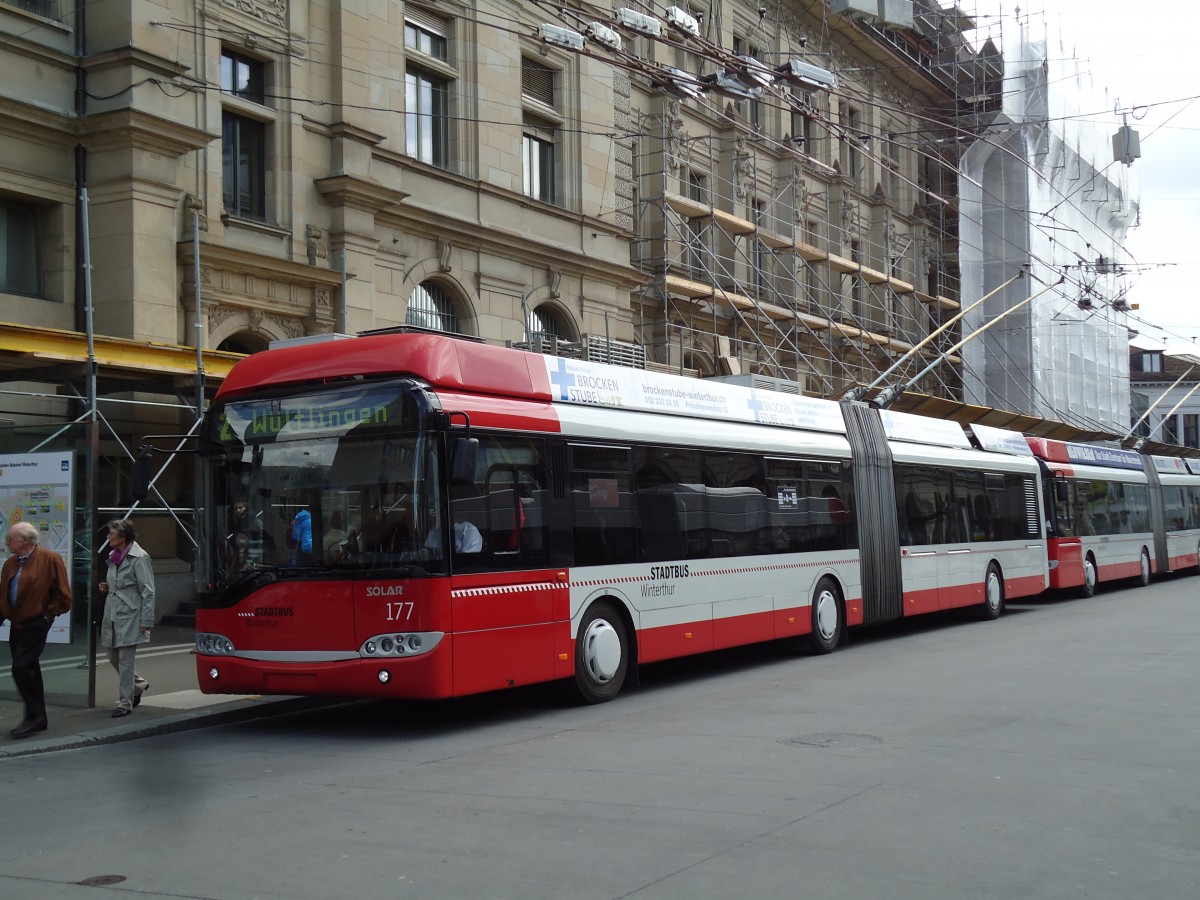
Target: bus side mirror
x=463, y=456
x=1060, y=491
x=141, y=472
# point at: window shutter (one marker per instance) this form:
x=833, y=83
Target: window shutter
x=537, y=82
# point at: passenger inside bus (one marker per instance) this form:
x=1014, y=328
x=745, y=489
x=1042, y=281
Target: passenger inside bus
x=335, y=537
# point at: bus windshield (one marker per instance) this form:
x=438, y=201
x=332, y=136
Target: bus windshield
x=321, y=482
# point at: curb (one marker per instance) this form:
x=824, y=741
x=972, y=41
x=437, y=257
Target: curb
x=186, y=720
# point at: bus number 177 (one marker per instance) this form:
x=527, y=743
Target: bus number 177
x=399, y=612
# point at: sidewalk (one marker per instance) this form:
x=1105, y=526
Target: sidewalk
x=173, y=703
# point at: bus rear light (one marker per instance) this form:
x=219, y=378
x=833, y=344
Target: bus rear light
x=414, y=643
x=213, y=674
x=384, y=676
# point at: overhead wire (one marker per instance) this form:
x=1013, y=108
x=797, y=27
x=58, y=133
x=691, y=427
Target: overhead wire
x=635, y=66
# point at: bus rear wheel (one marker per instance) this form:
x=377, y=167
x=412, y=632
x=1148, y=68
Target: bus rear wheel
x=1144, y=572
x=1090, y=577
x=827, y=620
x=993, y=593
x=601, y=654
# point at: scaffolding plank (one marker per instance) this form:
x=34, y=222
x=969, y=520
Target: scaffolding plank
x=900, y=287
x=809, y=253
x=775, y=242
x=733, y=224
x=737, y=301
x=947, y=303
x=689, y=288
x=847, y=331
x=873, y=276
x=843, y=265
x=690, y=209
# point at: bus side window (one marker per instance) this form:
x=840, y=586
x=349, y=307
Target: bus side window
x=603, y=517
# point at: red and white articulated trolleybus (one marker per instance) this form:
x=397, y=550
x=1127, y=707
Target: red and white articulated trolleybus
x=420, y=516
x=1115, y=514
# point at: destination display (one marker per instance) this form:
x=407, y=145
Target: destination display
x=327, y=413
x=1104, y=456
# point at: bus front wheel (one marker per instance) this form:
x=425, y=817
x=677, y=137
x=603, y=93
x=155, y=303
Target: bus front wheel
x=827, y=621
x=1090, y=577
x=601, y=654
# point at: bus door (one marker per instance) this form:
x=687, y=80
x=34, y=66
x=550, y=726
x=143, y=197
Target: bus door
x=505, y=602
x=959, y=567
x=1064, y=532
x=921, y=493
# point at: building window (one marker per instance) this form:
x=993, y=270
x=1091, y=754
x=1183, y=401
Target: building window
x=427, y=92
x=1191, y=430
x=804, y=123
x=697, y=240
x=754, y=109
x=690, y=61
x=760, y=254
x=538, y=159
x=243, y=77
x=1169, y=431
x=892, y=170
x=540, y=123
x=851, y=157
x=1152, y=361
x=20, y=272
x=856, y=282
x=245, y=130
x=545, y=329
x=430, y=307
x=47, y=9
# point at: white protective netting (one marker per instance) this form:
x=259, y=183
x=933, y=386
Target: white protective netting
x=1042, y=189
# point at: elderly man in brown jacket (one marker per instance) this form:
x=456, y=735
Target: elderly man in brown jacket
x=34, y=589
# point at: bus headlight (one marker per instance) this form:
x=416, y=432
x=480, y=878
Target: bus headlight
x=394, y=645
x=214, y=644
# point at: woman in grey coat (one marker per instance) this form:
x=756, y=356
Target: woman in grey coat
x=128, y=610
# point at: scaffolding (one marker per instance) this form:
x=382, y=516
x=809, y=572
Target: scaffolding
x=819, y=257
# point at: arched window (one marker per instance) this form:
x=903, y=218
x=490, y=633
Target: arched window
x=242, y=342
x=545, y=323
x=431, y=307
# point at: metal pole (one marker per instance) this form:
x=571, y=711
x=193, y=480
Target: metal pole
x=1173, y=408
x=858, y=393
x=93, y=442
x=888, y=396
x=342, y=315
x=197, y=469
x=1160, y=399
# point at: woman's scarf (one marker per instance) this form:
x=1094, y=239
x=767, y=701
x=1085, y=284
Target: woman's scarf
x=114, y=558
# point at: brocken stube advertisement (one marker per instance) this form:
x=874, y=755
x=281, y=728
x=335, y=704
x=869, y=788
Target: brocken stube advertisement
x=38, y=488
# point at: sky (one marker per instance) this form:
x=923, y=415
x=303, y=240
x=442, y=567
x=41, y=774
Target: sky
x=1144, y=54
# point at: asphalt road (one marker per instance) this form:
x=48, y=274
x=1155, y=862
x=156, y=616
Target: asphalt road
x=1053, y=753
